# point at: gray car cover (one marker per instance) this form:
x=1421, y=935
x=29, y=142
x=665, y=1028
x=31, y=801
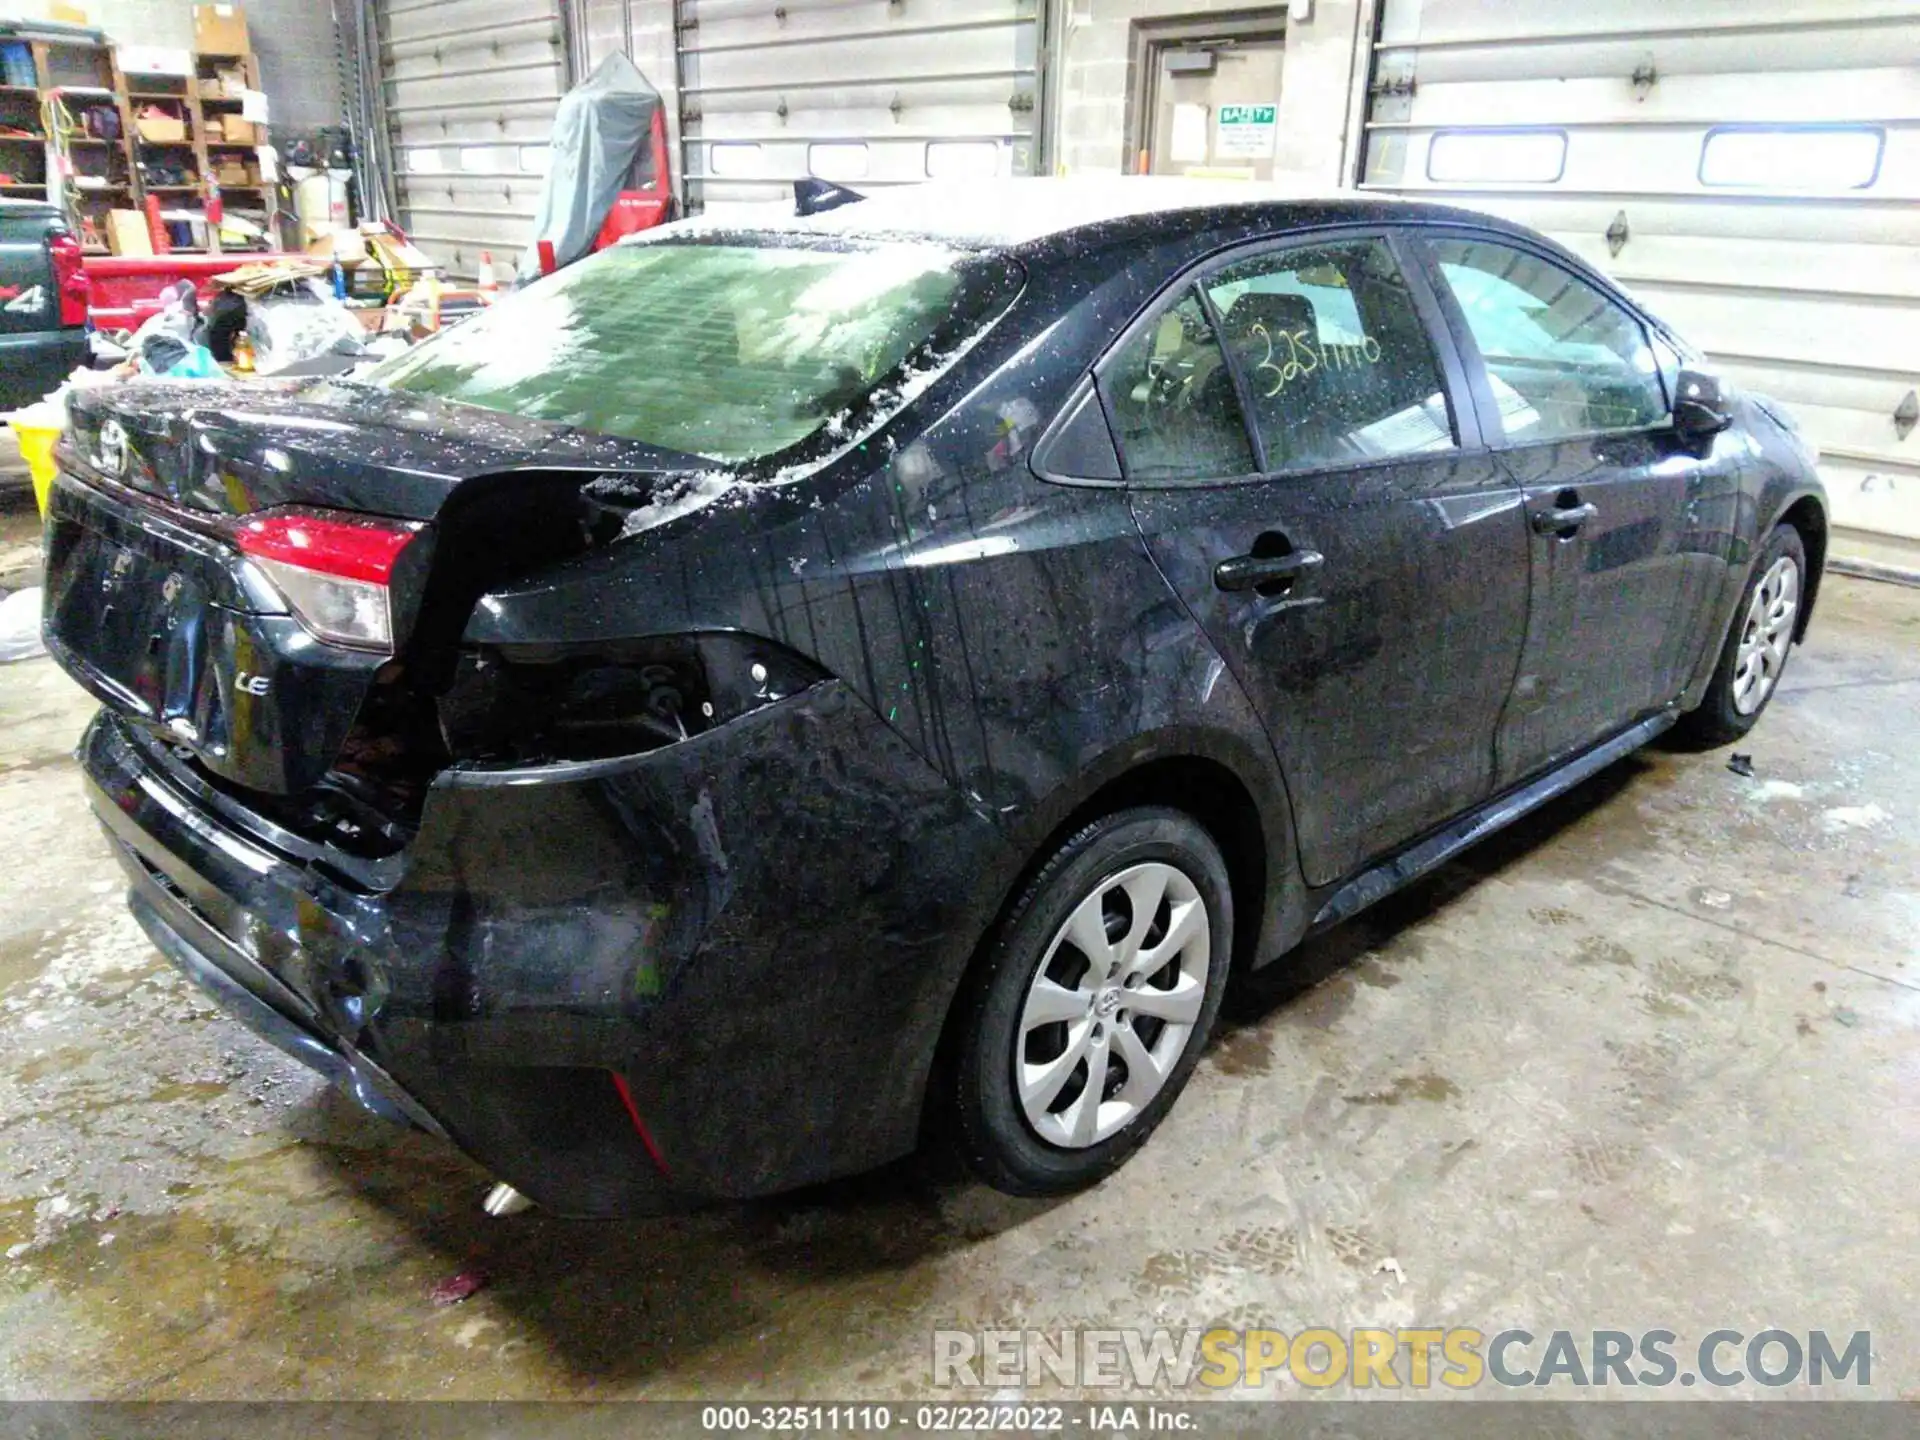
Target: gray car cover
x=597, y=134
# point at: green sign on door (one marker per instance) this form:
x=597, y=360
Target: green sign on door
x=1248, y=131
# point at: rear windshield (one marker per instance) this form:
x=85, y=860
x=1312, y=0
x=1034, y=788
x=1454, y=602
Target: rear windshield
x=734, y=351
x=28, y=224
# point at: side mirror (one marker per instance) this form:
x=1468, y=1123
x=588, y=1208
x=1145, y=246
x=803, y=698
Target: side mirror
x=1701, y=404
x=816, y=197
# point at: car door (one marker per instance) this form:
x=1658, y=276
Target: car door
x=1354, y=554
x=1569, y=384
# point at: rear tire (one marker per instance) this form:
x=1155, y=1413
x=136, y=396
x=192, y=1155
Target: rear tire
x=1108, y=971
x=1758, y=643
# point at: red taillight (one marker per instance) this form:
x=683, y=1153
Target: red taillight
x=69, y=279
x=345, y=546
x=333, y=569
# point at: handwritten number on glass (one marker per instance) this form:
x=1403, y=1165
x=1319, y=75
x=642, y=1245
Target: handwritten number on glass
x=1305, y=354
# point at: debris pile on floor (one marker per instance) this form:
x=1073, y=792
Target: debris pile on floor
x=358, y=296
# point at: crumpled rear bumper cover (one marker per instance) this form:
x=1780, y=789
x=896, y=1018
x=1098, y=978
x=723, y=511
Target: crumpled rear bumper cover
x=153, y=831
x=758, y=931
x=370, y=1086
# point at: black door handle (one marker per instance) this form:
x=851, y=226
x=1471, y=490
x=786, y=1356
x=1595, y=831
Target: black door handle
x=1563, y=521
x=1248, y=572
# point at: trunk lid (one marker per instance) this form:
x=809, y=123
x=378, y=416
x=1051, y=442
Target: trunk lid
x=151, y=604
x=233, y=449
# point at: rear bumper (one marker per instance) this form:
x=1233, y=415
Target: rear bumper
x=221, y=980
x=189, y=881
x=758, y=931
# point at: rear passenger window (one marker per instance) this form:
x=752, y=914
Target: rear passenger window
x=1338, y=363
x=1562, y=358
x=1173, y=404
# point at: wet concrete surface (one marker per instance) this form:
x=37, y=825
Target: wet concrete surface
x=19, y=535
x=1647, y=1060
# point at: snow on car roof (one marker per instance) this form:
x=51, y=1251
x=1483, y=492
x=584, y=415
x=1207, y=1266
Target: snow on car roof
x=1016, y=212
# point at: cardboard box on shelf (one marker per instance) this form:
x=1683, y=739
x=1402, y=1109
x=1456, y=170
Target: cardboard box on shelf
x=235, y=131
x=211, y=89
x=127, y=233
x=160, y=128
x=220, y=30
x=235, y=172
x=160, y=61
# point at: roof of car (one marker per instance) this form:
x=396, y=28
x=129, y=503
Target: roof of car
x=1007, y=214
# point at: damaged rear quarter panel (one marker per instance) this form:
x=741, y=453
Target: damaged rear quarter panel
x=758, y=927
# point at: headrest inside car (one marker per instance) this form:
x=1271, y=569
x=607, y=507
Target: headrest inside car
x=1280, y=312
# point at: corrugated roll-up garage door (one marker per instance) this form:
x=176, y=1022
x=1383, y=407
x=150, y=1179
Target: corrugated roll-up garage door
x=471, y=89
x=1751, y=170
x=864, y=92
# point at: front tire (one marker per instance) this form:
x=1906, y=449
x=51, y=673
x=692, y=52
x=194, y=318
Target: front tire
x=1757, y=644
x=1093, y=1003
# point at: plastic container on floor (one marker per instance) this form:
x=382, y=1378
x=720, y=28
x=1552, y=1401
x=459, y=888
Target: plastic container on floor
x=36, y=435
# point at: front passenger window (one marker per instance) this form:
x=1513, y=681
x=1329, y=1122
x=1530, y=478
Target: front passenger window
x=1173, y=404
x=1562, y=358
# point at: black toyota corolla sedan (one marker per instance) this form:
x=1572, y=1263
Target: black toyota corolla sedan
x=766, y=694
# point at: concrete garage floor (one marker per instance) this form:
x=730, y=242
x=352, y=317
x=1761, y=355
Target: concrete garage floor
x=1648, y=1061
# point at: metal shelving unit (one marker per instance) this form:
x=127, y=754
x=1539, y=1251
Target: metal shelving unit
x=45, y=151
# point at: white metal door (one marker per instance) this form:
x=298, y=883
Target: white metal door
x=864, y=92
x=1751, y=169
x=1218, y=114
x=471, y=91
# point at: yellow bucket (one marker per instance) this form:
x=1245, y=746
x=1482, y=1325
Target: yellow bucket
x=36, y=443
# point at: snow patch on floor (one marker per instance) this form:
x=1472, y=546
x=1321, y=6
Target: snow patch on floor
x=1854, y=817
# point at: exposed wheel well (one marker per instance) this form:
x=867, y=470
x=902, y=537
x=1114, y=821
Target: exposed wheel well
x=1807, y=516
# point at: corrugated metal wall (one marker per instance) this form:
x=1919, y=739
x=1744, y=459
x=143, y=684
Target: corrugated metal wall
x=470, y=88
x=1757, y=164
x=869, y=92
